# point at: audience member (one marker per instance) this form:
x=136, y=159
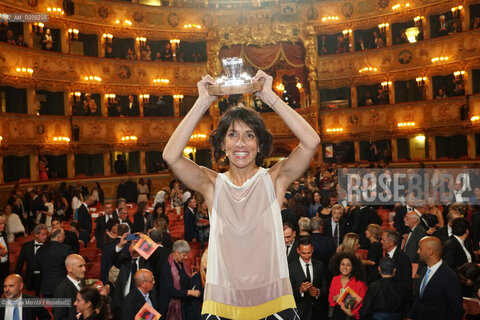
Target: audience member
x=304, y=227
x=47, y=40
x=309, y=283
x=14, y=227
x=390, y=242
x=101, y=223
x=441, y=94
x=89, y=305
x=443, y=29
x=50, y=261
x=85, y=220
x=131, y=54
x=438, y=294
x=69, y=287
x=291, y=243
x=202, y=221
x=143, y=191
x=189, y=218
x=455, y=252
x=411, y=239
x=71, y=237
x=323, y=246
x=375, y=252
x=175, y=287
x=334, y=226
x=167, y=53
x=108, y=250
x=349, y=244
x=15, y=307
x=141, y=294
x=445, y=232
x=348, y=272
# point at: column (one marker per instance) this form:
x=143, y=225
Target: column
x=352, y=42
x=467, y=85
x=1, y=170
x=103, y=105
x=68, y=102
x=429, y=94
x=391, y=93
x=426, y=27
x=143, y=164
x=176, y=107
x=356, y=147
x=471, y=146
x=64, y=42
x=107, y=168
x=393, y=143
x=353, y=95
x=31, y=107
x=70, y=165
x=34, y=167
x=28, y=34
x=465, y=18
x=101, y=45
x=432, y=148
x=137, y=49
x=388, y=36
x=141, y=104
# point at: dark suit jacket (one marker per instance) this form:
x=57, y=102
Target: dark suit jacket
x=30, y=313
x=71, y=239
x=442, y=234
x=66, y=289
x=26, y=255
x=139, y=223
x=323, y=248
x=453, y=254
x=328, y=231
x=189, y=219
x=101, y=228
x=411, y=246
x=361, y=219
x=50, y=260
x=156, y=261
x=403, y=266
x=134, y=301
x=123, y=261
x=293, y=254
x=442, y=297
x=84, y=219
x=130, y=224
x=307, y=305
x=398, y=221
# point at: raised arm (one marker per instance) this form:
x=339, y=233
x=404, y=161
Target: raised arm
x=284, y=172
x=195, y=177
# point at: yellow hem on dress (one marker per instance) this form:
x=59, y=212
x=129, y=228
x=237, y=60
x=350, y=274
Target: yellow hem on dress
x=248, y=313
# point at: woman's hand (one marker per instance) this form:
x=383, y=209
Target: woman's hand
x=193, y=293
x=347, y=311
x=3, y=251
x=202, y=86
x=266, y=94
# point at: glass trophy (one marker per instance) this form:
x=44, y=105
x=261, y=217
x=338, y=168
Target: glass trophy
x=234, y=81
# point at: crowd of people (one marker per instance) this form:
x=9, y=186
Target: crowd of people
x=346, y=261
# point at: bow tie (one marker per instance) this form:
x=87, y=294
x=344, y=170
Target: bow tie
x=38, y=245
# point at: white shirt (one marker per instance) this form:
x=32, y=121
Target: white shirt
x=35, y=247
x=449, y=230
x=469, y=256
x=392, y=252
x=433, y=269
x=76, y=283
x=304, y=268
x=10, y=306
x=409, y=234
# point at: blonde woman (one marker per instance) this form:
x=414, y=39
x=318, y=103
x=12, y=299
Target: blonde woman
x=375, y=251
x=350, y=243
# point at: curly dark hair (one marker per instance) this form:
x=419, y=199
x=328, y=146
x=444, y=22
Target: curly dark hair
x=358, y=270
x=252, y=119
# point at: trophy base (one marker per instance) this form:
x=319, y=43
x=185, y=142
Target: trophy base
x=222, y=90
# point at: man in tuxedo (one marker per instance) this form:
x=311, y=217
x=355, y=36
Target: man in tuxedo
x=109, y=249
x=50, y=260
x=455, y=251
x=438, y=291
x=291, y=244
x=27, y=255
x=159, y=256
x=120, y=204
x=334, y=226
x=362, y=218
x=309, y=283
x=69, y=287
x=35, y=208
x=129, y=262
x=141, y=294
x=123, y=219
x=13, y=308
x=411, y=239
x=323, y=246
x=390, y=242
x=71, y=238
x=101, y=223
x=446, y=231
x=401, y=212
x=189, y=219
x=132, y=109
x=459, y=191
x=85, y=220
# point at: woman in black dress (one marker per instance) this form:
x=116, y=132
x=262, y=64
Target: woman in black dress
x=375, y=252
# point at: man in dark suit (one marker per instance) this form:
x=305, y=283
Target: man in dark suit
x=129, y=262
x=189, y=218
x=323, y=246
x=412, y=221
x=132, y=108
x=101, y=224
x=438, y=291
x=455, y=251
x=13, y=306
x=35, y=208
x=121, y=203
x=123, y=219
x=50, y=260
x=401, y=212
x=71, y=238
x=334, y=227
x=362, y=218
x=309, y=283
x=446, y=232
x=69, y=287
x=85, y=220
x=290, y=243
x=141, y=294
x=390, y=242
x=27, y=254
x=108, y=250
x=159, y=256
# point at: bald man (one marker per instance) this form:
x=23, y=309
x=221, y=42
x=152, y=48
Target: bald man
x=143, y=293
x=438, y=291
x=13, y=308
x=70, y=286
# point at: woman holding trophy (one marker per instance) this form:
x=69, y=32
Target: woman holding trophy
x=247, y=276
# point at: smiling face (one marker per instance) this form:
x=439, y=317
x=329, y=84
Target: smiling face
x=241, y=145
x=346, y=267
